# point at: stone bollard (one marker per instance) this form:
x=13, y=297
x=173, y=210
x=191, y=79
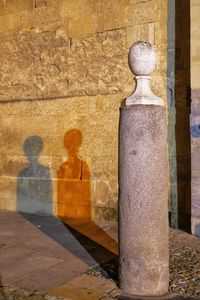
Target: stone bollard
x=143, y=182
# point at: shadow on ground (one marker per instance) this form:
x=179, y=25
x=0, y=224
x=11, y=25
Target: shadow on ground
x=84, y=239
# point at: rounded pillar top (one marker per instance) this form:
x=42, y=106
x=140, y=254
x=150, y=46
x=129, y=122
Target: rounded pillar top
x=142, y=58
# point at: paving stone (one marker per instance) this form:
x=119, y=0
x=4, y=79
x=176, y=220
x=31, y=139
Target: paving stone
x=13, y=271
x=57, y=252
x=44, y=280
x=77, y=293
x=96, y=286
x=74, y=267
x=11, y=254
x=9, y=240
x=91, y=282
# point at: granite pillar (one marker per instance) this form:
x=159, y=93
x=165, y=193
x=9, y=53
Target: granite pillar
x=143, y=182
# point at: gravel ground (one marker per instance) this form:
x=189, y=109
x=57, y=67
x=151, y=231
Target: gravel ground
x=8, y=293
x=184, y=264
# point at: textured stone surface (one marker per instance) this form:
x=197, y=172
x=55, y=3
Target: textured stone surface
x=143, y=230
x=99, y=128
x=69, y=62
x=142, y=58
x=67, y=48
x=55, y=67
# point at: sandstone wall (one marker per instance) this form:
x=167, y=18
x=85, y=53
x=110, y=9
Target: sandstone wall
x=63, y=66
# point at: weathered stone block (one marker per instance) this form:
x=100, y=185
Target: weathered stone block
x=135, y=33
x=102, y=194
x=142, y=12
x=69, y=70
x=12, y=165
x=83, y=25
x=8, y=193
x=119, y=17
x=103, y=168
x=144, y=32
x=7, y=7
x=105, y=213
x=39, y=3
x=106, y=194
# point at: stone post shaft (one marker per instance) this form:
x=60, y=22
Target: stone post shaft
x=143, y=182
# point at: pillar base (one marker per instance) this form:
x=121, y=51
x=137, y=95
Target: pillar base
x=163, y=297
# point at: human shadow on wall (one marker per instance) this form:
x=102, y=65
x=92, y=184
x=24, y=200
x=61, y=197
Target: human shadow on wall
x=77, y=233
x=73, y=187
x=34, y=186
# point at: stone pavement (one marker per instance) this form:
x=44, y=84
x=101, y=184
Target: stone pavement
x=40, y=253
x=79, y=261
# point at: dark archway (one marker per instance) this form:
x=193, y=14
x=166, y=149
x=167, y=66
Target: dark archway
x=179, y=107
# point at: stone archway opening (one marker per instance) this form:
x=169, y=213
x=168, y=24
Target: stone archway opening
x=179, y=108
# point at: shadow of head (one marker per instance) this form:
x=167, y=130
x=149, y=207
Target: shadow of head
x=33, y=146
x=72, y=141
